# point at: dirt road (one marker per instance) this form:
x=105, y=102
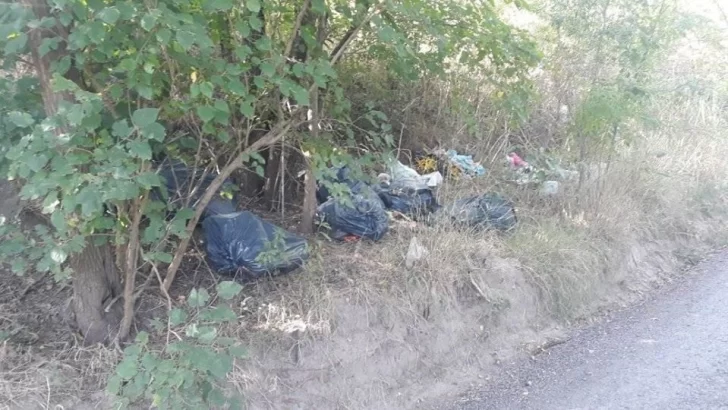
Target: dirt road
x=671, y=352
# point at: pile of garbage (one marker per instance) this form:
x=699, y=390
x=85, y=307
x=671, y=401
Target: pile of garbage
x=363, y=211
x=238, y=244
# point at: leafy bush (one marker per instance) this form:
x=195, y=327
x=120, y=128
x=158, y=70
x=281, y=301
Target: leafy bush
x=187, y=373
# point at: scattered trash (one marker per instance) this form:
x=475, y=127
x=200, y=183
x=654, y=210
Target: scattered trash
x=405, y=176
x=543, y=173
x=516, y=161
x=489, y=210
x=242, y=242
x=361, y=214
x=415, y=252
x=408, y=192
x=549, y=188
x=465, y=163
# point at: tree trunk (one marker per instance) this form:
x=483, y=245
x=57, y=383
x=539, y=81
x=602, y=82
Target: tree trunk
x=272, y=177
x=309, y=201
x=95, y=279
x=96, y=284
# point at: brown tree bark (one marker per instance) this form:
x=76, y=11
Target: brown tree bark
x=309, y=191
x=95, y=279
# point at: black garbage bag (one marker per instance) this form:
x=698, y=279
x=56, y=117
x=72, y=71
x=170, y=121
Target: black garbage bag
x=489, y=210
x=241, y=242
x=361, y=214
x=409, y=201
x=179, y=178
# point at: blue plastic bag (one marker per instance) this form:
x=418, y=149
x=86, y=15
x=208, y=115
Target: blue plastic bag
x=361, y=214
x=241, y=242
x=411, y=202
x=484, y=211
x=179, y=178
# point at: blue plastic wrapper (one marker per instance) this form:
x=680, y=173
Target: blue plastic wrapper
x=361, y=214
x=242, y=243
x=484, y=211
x=466, y=163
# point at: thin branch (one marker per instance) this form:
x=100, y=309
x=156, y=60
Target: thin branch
x=296, y=28
x=132, y=257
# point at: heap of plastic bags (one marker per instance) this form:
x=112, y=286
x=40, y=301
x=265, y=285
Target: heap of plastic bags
x=360, y=214
x=242, y=243
x=236, y=242
x=404, y=190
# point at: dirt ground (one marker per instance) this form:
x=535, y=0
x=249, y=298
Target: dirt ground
x=371, y=354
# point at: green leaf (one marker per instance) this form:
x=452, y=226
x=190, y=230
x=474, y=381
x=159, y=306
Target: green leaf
x=206, y=88
x=206, y=334
x=220, y=366
x=149, y=179
x=206, y=113
x=90, y=200
x=267, y=68
x=37, y=162
x=247, y=110
x=154, y=131
x=110, y=15
x=218, y=5
x=198, y=298
x=144, y=117
x=255, y=23
x=121, y=129
x=164, y=35
x=301, y=95
x=253, y=5
x=219, y=314
x=163, y=257
x=97, y=32
x=237, y=87
x=148, y=21
x=140, y=149
x=149, y=361
x=185, y=39
x=127, y=369
x=142, y=338
x=16, y=44
x=58, y=220
x=21, y=119
x=177, y=317
x=113, y=386
x=228, y=289
x=222, y=106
